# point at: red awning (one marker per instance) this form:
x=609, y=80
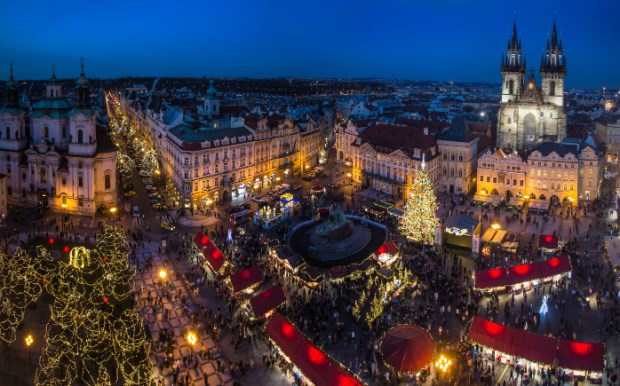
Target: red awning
x=313, y=363
x=267, y=300
x=548, y=241
x=246, y=278
x=538, y=348
x=407, y=348
x=581, y=355
x=555, y=266
x=500, y=277
x=388, y=247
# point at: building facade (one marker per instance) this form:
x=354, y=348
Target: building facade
x=530, y=113
x=57, y=156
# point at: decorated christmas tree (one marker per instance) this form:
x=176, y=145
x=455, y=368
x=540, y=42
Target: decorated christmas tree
x=419, y=222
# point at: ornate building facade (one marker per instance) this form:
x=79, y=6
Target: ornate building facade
x=56, y=155
x=531, y=113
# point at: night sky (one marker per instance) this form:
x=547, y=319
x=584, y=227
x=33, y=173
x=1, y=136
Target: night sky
x=459, y=40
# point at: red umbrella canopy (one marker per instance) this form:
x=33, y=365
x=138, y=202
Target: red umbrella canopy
x=407, y=348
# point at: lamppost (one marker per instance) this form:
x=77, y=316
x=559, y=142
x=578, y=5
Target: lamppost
x=29, y=342
x=443, y=364
x=113, y=211
x=163, y=274
x=191, y=338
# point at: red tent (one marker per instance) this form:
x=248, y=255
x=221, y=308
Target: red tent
x=548, y=241
x=490, y=334
x=489, y=278
x=267, y=301
x=313, y=363
x=555, y=266
x=246, y=278
x=581, y=355
x=407, y=348
x=215, y=258
x=341, y=377
x=534, y=347
x=522, y=273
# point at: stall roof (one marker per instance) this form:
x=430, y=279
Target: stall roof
x=540, y=205
x=388, y=247
x=313, y=363
x=461, y=221
x=215, y=258
x=504, y=276
x=246, y=278
x=534, y=347
x=488, y=235
x=548, y=241
x=499, y=236
x=612, y=245
x=267, y=300
x=538, y=348
x=581, y=355
x=396, y=212
x=492, y=199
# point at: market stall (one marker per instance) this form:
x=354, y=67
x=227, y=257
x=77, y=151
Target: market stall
x=387, y=253
x=458, y=231
x=246, y=280
x=505, y=344
x=214, y=258
x=548, y=243
x=487, y=199
x=524, y=274
x=612, y=247
x=267, y=301
x=268, y=217
x=320, y=369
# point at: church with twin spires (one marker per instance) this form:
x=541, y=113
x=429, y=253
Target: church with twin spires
x=531, y=113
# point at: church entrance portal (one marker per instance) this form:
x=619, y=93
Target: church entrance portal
x=529, y=130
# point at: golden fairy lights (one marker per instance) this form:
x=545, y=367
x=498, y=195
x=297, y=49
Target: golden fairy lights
x=442, y=363
x=92, y=336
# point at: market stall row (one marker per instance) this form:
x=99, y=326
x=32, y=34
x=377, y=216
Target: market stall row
x=487, y=279
x=540, y=349
x=310, y=360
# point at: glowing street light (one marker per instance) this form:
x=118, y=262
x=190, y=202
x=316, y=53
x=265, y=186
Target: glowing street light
x=113, y=210
x=29, y=341
x=495, y=226
x=443, y=363
x=163, y=274
x=191, y=337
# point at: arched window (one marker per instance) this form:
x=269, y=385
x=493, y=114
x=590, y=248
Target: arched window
x=80, y=137
x=552, y=88
x=64, y=132
x=452, y=172
x=8, y=132
x=43, y=175
x=107, y=181
x=46, y=132
x=511, y=85
x=460, y=173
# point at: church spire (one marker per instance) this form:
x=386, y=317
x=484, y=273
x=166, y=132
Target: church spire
x=513, y=61
x=553, y=59
x=12, y=90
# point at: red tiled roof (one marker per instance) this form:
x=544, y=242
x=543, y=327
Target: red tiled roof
x=399, y=137
x=267, y=300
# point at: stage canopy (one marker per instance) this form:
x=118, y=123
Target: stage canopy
x=246, y=278
x=505, y=276
x=215, y=258
x=537, y=348
x=267, y=300
x=313, y=363
x=460, y=225
x=407, y=348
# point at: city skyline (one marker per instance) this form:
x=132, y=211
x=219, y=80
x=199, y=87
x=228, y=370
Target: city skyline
x=419, y=40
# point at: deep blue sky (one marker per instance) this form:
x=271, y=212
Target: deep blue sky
x=458, y=40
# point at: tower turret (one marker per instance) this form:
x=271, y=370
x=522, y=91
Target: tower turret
x=53, y=87
x=553, y=70
x=12, y=91
x=513, y=68
x=82, y=88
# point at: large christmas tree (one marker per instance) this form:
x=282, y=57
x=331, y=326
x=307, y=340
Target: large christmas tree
x=419, y=222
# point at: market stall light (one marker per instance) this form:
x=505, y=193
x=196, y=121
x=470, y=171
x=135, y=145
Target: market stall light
x=29, y=340
x=495, y=226
x=163, y=274
x=192, y=338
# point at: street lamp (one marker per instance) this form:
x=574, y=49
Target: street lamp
x=163, y=274
x=443, y=363
x=192, y=338
x=29, y=342
x=495, y=226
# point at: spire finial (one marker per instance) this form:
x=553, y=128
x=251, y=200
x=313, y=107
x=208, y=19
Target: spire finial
x=82, y=66
x=11, y=72
x=423, y=163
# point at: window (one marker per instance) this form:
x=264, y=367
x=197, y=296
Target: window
x=8, y=132
x=488, y=179
x=64, y=132
x=63, y=201
x=552, y=88
x=80, y=136
x=64, y=181
x=107, y=182
x=80, y=201
x=43, y=175
x=461, y=158
x=80, y=181
x=46, y=132
x=511, y=85
x=8, y=171
x=520, y=182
